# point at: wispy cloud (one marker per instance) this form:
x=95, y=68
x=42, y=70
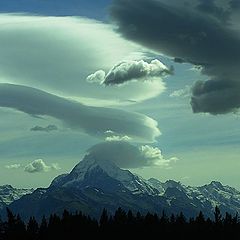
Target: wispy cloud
x=13, y=166
x=183, y=93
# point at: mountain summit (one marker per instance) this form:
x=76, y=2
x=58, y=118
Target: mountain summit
x=101, y=174
x=96, y=184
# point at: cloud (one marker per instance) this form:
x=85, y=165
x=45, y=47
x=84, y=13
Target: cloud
x=216, y=96
x=68, y=50
x=94, y=121
x=39, y=165
x=183, y=93
x=48, y=128
x=200, y=32
x=13, y=166
x=131, y=71
x=97, y=77
x=117, y=138
x=153, y=156
x=126, y=155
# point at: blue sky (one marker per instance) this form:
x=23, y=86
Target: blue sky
x=91, y=9
x=53, y=46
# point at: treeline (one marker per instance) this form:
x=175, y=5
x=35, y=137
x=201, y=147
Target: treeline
x=121, y=224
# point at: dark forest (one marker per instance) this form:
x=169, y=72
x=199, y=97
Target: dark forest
x=121, y=224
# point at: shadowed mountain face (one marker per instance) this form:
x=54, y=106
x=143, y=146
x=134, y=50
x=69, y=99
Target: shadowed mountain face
x=93, y=185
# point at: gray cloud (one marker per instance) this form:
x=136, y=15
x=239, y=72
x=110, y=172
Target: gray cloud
x=91, y=120
x=200, y=32
x=39, y=165
x=131, y=70
x=48, y=128
x=216, y=96
x=126, y=155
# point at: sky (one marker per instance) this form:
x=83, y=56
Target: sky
x=152, y=85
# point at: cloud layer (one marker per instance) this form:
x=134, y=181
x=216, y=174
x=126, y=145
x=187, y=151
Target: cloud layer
x=126, y=155
x=68, y=50
x=200, y=32
x=131, y=71
x=95, y=121
x=39, y=165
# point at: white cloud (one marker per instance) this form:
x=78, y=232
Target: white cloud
x=117, y=138
x=13, y=166
x=97, y=77
x=109, y=132
x=131, y=71
x=153, y=156
x=39, y=165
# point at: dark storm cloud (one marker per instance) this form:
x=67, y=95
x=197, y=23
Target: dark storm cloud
x=209, y=7
x=235, y=4
x=215, y=96
x=48, y=128
x=201, y=32
x=91, y=120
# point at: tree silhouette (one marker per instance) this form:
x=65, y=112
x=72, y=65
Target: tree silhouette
x=32, y=228
x=43, y=228
x=217, y=215
x=122, y=224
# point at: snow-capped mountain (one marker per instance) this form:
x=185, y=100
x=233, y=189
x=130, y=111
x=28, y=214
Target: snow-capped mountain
x=93, y=185
x=131, y=182
x=8, y=194
x=205, y=197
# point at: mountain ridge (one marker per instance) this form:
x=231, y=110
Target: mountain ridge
x=93, y=185
x=9, y=194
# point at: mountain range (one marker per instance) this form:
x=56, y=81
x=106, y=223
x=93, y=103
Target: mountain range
x=93, y=185
x=8, y=194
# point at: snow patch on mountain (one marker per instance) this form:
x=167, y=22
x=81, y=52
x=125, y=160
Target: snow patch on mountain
x=8, y=194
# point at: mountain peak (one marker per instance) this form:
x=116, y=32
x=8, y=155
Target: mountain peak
x=172, y=184
x=6, y=186
x=216, y=184
x=90, y=167
x=89, y=163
